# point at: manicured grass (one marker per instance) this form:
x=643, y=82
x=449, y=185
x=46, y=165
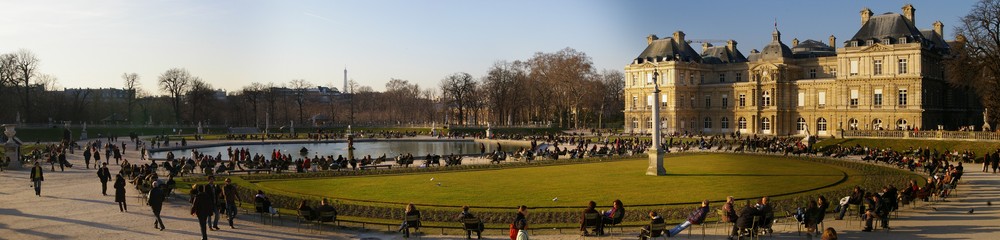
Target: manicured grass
x=980, y=147
x=692, y=178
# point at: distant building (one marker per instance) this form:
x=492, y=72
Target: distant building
x=889, y=75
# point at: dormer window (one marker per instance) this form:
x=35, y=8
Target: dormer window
x=902, y=40
x=870, y=42
x=887, y=41
x=854, y=43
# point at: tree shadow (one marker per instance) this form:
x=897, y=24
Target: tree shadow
x=15, y=212
x=44, y=235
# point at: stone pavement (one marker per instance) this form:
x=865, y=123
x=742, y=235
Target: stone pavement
x=72, y=207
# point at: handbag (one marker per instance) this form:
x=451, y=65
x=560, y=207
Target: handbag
x=513, y=232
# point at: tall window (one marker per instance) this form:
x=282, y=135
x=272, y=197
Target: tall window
x=743, y=100
x=821, y=125
x=822, y=98
x=739, y=77
x=766, y=98
x=877, y=70
x=649, y=101
x=635, y=101
x=802, y=99
x=635, y=123
x=649, y=78
x=833, y=72
x=702, y=78
x=634, y=79
x=800, y=124
x=877, y=99
x=725, y=101
x=663, y=100
x=722, y=77
x=765, y=124
x=902, y=97
x=854, y=67
x=902, y=66
x=692, y=103
x=708, y=101
x=854, y=98
x=725, y=123
x=742, y=123
x=812, y=73
x=708, y=122
x=681, y=79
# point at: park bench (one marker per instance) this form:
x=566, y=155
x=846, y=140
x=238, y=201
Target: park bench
x=248, y=171
x=388, y=166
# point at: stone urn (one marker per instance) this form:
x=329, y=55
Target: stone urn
x=9, y=131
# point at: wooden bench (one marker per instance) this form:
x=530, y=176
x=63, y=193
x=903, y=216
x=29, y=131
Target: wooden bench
x=389, y=166
x=248, y=171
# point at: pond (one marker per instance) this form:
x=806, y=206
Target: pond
x=375, y=149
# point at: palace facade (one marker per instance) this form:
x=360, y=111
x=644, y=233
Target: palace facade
x=889, y=75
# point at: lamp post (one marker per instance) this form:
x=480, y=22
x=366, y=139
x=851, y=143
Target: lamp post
x=655, y=153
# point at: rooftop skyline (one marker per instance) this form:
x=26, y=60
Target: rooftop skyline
x=231, y=44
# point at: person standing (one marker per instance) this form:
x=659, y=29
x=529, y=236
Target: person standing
x=104, y=175
x=37, y=178
x=120, y=193
x=86, y=158
x=203, y=207
x=97, y=156
x=229, y=194
x=155, y=201
x=213, y=190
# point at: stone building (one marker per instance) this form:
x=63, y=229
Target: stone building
x=889, y=75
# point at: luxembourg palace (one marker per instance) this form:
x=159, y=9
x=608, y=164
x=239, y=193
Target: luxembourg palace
x=888, y=76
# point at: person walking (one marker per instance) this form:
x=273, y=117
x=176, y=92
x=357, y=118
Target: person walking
x=97, y=156
x=156, y=198
x=37, y=178
x=520, y=225
x=203, y=207
x=104, y=175
x=120, y=193
x=213, y=190
x=230, y=196
x=86, y=158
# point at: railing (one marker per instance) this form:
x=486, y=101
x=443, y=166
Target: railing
x=936, y=135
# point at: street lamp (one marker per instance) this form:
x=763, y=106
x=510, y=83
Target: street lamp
x=655, y=153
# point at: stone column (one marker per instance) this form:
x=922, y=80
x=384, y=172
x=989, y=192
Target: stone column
x=655, y=153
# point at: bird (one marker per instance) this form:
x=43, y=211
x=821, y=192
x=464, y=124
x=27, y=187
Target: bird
x=439, y=184
x=432, y=179
x=988, y=203
x=555, y=199
x=971, y=210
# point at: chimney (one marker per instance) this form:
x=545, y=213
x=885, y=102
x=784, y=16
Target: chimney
x=731, y=45
x=650, y=38
x=795, y=42
x=833, y=42
x=908, y=13
x=705, y=46
x=865, y=15
x=679, y=39
x=939, y=28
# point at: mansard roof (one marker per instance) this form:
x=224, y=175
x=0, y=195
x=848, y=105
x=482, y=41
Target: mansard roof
x=813, y=48
x=669, y=49
x=888, y=25
x=722, y=54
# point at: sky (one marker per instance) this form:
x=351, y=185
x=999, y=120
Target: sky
x=231, y=44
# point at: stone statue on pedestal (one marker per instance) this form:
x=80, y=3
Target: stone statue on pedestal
x=11, y=148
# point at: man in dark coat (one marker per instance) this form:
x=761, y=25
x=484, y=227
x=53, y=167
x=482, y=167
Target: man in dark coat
x=230, y=197
x=155, y=201
x=745, y=219
x=120, y=193
x=204, y=206
x=37, y=178
x=105, y=176
x=86, y=157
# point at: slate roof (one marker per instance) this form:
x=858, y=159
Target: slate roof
x=937, y=41
x=891, y=25
x=667, y=48
x=812, y=48
x=721, y=54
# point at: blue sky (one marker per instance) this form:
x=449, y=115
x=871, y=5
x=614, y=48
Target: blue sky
x=231, y=44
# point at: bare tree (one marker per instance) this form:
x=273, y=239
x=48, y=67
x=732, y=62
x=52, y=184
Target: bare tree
x=253, y=94
x=300, y=86
x=200, y=97
x=26, y=67
x=131, y=83
x=975, y=60
x=457, y=89
x=175, y=82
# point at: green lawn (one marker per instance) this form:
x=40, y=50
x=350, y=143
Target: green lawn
x=692, y=178
x=980, y=147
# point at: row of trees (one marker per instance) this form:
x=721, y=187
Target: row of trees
x=561, y=88
x=975, y=60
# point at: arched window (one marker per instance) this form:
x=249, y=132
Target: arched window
x=852, y=124
x=877, y=124
x=766, y=99
x=725, y=123
x=742, y=122
x=821, y=125
x=649, y=122
x=765, y=124
x=901, y=124
x=708, y=123
x=800, y=124
x=663, y=122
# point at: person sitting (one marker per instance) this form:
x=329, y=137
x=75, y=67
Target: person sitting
x=696, y=217
x=745, y=220
x=646, y=232
x=729, y=210
x=262, y=203
x=471, y=223
x=325, y=207
x=811, y=218
x=767, y=215
x=307, y=212
x=856, y=199
x=615, y=214
x=829, y=234
x=411, y=220
x=594, y=222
